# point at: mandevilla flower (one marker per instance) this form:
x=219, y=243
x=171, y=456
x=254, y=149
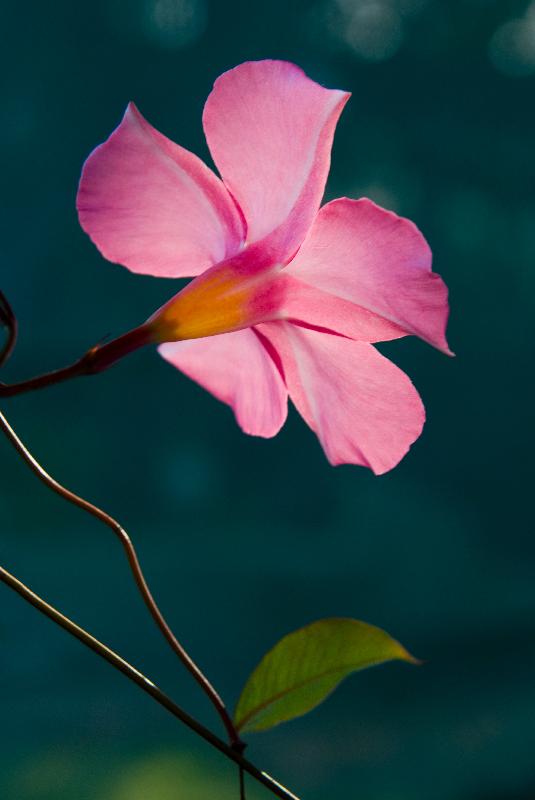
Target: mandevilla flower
x=288, y=297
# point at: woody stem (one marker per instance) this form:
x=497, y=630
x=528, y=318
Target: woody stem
x=137, y=572
x=144, y=683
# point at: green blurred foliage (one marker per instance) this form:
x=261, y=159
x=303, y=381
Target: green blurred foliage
x=244, y=539
x=164, y=775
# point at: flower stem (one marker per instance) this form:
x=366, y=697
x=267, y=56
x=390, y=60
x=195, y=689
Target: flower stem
x=144, y=683
x=97, y=359
x=137, y=572
x=242, y=783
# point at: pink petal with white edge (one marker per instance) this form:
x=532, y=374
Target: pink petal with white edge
x=236, y=368
x=364, y=254
x=154, y=207
x=270, y=128
x=363, y=409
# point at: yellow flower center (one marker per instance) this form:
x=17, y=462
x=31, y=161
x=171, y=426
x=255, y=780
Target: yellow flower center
x=218, y=301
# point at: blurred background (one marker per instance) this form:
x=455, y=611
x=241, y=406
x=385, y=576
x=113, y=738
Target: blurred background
x=245, y=539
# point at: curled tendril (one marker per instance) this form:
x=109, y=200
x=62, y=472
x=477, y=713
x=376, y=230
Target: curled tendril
x=234, y=750
x=9, y=321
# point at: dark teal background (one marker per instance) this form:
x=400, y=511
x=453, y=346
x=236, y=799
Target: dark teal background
x=245, y=539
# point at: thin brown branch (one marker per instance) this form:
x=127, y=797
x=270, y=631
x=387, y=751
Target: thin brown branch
x=9, y=320
x=137, y=572
x=144, y=683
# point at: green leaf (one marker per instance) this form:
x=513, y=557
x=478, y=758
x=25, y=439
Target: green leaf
x=307, y=665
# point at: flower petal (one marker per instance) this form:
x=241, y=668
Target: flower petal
x=154, y=207
x=304, y=304
x=363, y=409
x=236, y=368
x=270, y=128
x=381, y=262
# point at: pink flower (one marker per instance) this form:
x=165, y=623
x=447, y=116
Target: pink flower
x=289, y=297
